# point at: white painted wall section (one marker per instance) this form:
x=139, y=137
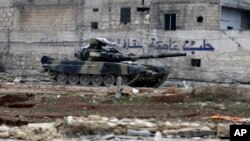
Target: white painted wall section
x=230, y=17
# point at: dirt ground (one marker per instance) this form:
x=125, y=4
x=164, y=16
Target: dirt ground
x=21, y=104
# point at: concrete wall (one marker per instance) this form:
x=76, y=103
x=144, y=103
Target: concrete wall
x=187, y=13
x=241, y=4
x=224, y=57
x=7, y=17
x=35, y=28
x=108, y=15
x=47, y=18
x=224, y=54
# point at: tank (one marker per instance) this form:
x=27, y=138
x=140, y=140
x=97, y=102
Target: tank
x=101, y=62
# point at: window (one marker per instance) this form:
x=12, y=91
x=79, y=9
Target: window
x=95, y=9
x=196, y=62
x=125, y=15
x=170, y=22
x=94, y=25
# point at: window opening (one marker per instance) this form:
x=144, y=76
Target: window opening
x=94, y=25
x=95, y=9
x=125, y=15
x=196, y=62
x=170, y=22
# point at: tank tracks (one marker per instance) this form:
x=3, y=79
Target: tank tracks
x=140, y=80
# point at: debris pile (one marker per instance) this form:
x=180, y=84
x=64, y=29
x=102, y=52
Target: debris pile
x=76, y=127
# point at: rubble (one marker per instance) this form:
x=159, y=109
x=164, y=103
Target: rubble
x=111, y=90
x=78, y=112
x=112, y=127
x=146, y=90
x=126, y=90
x=223, y=130
x=94, y=117
x=4, y=132
x=144, y=133
x=220, y=106
x=158, y=136
x=18, y=80
x=18, y=134
x=139, y=127
x=170, y=90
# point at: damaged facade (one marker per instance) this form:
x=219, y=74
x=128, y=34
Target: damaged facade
x=185, y=14
x=214, y=33
x=235, y=15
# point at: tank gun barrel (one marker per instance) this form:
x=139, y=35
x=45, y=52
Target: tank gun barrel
x=165, y=55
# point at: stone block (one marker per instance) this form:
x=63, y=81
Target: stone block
x=4, y=129
x=4, y=134
x=223, y=130
x=22, y=63
x=18, y=134
x=4, y=15
x=94, y=117
x=9, y=14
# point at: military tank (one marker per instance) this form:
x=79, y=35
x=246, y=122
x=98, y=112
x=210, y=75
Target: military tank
x=101, y=62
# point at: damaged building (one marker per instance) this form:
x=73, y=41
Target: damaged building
x=214, y=33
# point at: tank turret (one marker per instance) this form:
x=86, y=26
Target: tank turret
x=99, y=51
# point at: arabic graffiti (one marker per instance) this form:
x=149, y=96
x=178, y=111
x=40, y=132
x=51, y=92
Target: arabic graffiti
x=188, y=45
x=160, y=45
x=192, y=46
x=128, y=43
x=46, y=42
x=168, y=45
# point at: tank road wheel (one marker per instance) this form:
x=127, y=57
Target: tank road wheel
x=85, y=80
x=73, y=79
x=52, y=75
x=108, y=80
x=96, y=80
x=125, y=80
x=61, y=78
